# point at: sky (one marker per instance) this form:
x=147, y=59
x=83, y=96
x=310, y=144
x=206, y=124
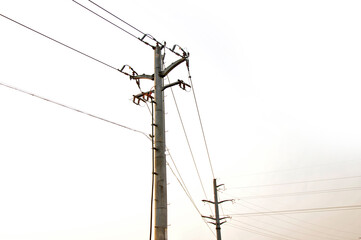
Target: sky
x=277, y=85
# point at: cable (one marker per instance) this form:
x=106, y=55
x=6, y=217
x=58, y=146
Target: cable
x=74, y=109
x=189, y=196
x=152, y=194
x=116, y=17
x=200, y=120
x=293, y=211
x=144, y=34
x=331, y=237
x=294, y=169
x=254, y=232
x=269, y=232
x=289, y=183
x=106, y=20
x=189, y=146
x=59, y=42
x=295, y=219
x=303, y=193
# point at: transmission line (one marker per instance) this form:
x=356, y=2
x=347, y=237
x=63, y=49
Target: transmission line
x=331, y=237
x=255, y=232
x=185, y=54
x=105, y=19
x=188, y=143
x=117, y=17
x=266, y=231
x=294, y=211
x=200, y=120
x=63, y=44
x=303, y=193
x=293, y=218
x=74, y=109
x=300, y=182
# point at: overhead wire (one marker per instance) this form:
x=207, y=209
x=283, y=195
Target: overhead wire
x=116, y=17
x=302, y=193
x=63, y=44
x=200, y=120
x=266, y=231
x=74, y=109
x=294, y=211
x=144, y=34
x=188, y=143
x=105, y=19
x=179, y=176
x=278, y=218
x=299, y=182
x=311, y=226
x=153, y=173
x=294, y=169
x=303, y=232
x=255, y=232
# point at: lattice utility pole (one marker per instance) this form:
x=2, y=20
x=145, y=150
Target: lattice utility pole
x=217, y=219
x=159, y=148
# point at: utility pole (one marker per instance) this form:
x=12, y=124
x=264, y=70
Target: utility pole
x=160, y=188
x=159, y=148
x=217, y=219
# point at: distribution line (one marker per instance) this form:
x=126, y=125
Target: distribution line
x=293, y=211
x=189, y=146
x=65, y=45
x=303, y=193
x=74, y=109
x=311, y=226
x=188, y=195
x=303, y=232
x=324, y=165
x=280, y=218
x=200, y=120
x=254, y=231
x=266, y=231
x=106, y=20
x=144, y=34
x=116, y=17
x=178, y=177
x=300, y=182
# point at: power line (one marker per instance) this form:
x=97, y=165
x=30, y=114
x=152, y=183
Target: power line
x=200, y=120
x=295, y=219
x=300, y=182
x=267, y=231
x=144, y=34
x=116, y=17
x=331, y=237
x=294, y=211
x=188, y=143
x=294, y=169
x=302, y=193
x=106, y=19
x=254, y=231
x=189, y=196
x=63, y=44
x=74, y=109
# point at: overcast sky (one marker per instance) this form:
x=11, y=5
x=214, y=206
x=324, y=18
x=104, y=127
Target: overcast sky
x=278, y=89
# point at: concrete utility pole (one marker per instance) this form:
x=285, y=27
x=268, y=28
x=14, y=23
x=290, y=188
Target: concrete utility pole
x=159, y=148
x=160, y=188
x=218, y=222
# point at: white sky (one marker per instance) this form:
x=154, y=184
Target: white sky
x=278, y=87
